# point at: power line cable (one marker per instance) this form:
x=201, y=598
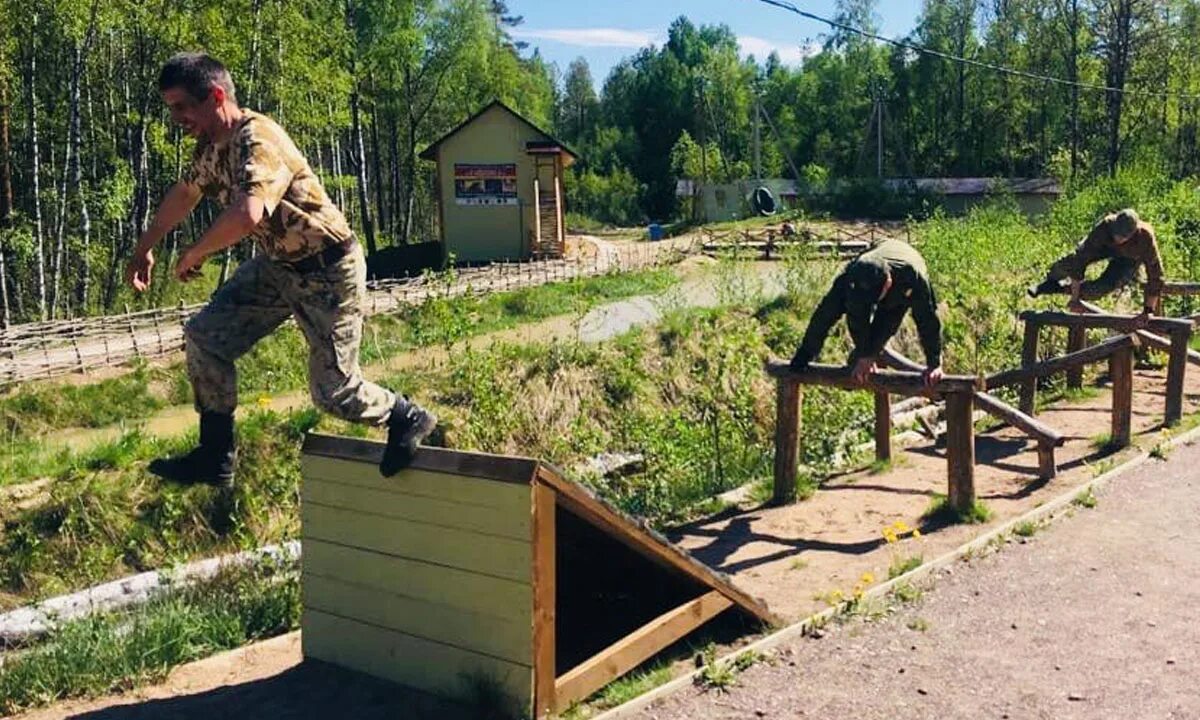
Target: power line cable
x=1024, y=74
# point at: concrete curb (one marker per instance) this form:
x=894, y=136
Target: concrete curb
x=804, y=626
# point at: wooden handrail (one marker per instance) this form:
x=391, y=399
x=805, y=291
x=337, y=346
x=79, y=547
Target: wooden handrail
x=1122, y=323
x=1181, y=288
x=1092, y=354
x=898, y=382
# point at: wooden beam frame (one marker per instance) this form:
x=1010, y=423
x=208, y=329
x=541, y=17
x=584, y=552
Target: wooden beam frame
x=1029, y=356
x=883, y=427
x=959, y=392
x=1047, y=438
x=960, y=450
x=1176, y=375
x=788, y=420
x=630, y=651
x=545, y=593
x=637, y=537
x=1076, y=341
x=1120, y=372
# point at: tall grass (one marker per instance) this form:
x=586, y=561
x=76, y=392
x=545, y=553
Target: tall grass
x=104, y=653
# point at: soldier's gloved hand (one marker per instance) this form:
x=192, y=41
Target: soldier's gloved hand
x=800, y=360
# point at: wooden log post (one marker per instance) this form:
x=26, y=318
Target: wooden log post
x=1176, y=372
x=1120, y=371
x=883, y=427
x=787, y=439
x=1029, y=353
x=1047, y=469
x=960, y=450
x=1076, y=339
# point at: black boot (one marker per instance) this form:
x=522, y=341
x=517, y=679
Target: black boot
x=212, y=463
x=1045, y=287
x=408, y=425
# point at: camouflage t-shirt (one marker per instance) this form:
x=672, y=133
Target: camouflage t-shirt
x=260, y=160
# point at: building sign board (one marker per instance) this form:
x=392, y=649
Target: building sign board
x=485, y=184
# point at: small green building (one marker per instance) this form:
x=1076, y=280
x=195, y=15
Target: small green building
x=500, y=190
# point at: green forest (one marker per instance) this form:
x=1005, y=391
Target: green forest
x=86, y=149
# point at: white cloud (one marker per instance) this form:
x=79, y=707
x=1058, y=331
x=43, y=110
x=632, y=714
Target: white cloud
x=761, y=48
x=590, y=37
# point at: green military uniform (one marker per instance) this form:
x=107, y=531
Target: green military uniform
x=873, y=321
x=327, y=302
x=1124, y=259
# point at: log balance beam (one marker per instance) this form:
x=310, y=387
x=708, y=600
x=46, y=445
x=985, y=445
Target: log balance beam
x=1179, y=332
x=958, y=391
x=1047, y=438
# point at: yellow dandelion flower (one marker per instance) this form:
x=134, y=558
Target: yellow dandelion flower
x=264, y=401
x=867, y=578
x=901, y=527
x=889, y=536
x=917, y=534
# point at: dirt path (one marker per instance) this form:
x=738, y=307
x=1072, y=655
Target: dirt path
x=1093, y=617
x=794, y=557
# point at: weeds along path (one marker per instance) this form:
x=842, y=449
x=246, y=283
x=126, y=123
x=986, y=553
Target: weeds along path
x=703, y=285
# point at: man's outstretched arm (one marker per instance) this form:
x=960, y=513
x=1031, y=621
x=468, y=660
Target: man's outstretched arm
x=175, y=206
x=233, y=224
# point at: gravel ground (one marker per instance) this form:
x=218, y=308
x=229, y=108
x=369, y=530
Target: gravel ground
x=1093, y=616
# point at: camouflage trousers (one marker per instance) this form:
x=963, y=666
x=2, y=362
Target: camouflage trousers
x=1119, y=272
x=328, y=307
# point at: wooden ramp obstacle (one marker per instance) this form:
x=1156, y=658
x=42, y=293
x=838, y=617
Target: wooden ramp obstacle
x=469, y=570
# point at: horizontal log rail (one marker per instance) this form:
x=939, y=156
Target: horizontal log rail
x=896, y=382
x=1102, y=321
x=1181, y=288
x=1086, y=356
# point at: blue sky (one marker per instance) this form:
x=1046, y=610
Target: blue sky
x=604, y=31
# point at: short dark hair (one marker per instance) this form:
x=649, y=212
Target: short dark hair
x=196, y=73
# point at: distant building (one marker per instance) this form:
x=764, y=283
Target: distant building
x=499, y=181
x=718, y=202
x=958, y=195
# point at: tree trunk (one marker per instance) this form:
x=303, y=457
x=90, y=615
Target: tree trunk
x=360, y=170
x=381, y=209
x=399, y=215
x=6, y=193
x=1117, y=59
x=6, y=201
x=35, y=171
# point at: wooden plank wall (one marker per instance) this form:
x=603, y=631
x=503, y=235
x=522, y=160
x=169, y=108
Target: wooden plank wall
x=421, y=578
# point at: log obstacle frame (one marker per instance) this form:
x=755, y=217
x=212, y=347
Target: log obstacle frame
x=958, y=391
x=1046, y=437
x=450, y=569
x=1118, y=351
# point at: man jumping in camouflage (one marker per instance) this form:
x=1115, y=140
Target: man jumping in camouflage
x=311, y=268
x=1127, y=243
x=874, y=291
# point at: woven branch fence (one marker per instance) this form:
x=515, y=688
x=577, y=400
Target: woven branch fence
x=41, y=350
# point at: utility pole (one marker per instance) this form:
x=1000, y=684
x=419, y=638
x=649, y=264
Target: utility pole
x=757, y=140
